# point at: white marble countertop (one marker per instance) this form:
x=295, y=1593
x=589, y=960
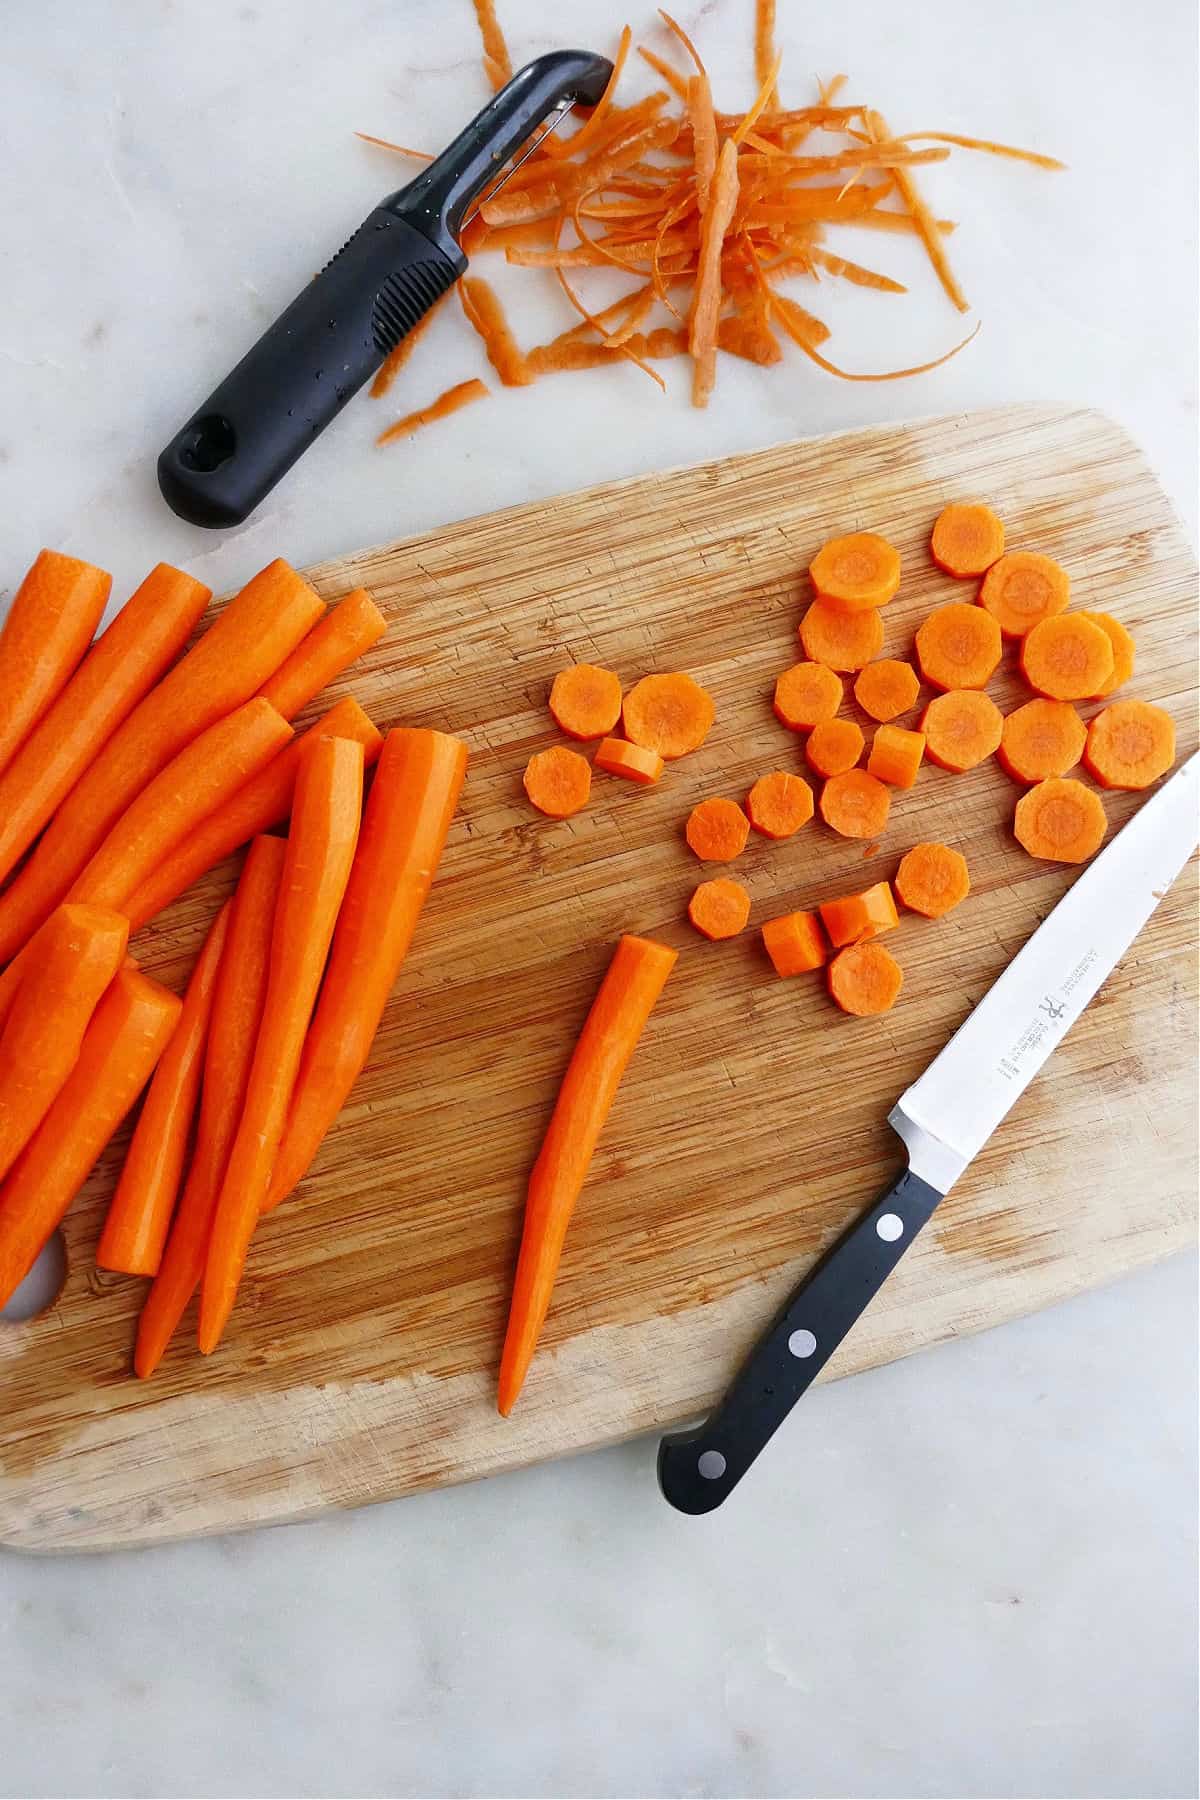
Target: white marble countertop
x=973, y=1573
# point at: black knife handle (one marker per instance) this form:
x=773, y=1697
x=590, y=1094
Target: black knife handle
x=700, y=1468
x=303, y=369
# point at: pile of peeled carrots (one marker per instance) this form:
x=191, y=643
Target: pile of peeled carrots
x=717, y=221
x=129, y=767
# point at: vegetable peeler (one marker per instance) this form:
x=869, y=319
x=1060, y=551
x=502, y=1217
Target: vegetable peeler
x=337, y=331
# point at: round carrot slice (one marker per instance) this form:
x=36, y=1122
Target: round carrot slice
x=1067, y=658
x=958, y=646
x=585, y=700
x=806, y=694
x=616, y=757
x=779, y=804
x=857, y=572
x=962, y=729
x=967, y=540
x=717, y=830
x=834, y=746
x=887, y=688
x=1130, y=744
x=719, y=909
x=839, y=639
x=795, y=943
x=1022, y=589
x=668, y=713
x=1122, y=649
x=931, y=879
x=558, y=781
x=855, y=804
x=1041, y=739
x=1060, y=821
x=865, y=979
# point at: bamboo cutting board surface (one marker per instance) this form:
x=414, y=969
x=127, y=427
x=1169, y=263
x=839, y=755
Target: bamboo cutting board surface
x=751, y=1127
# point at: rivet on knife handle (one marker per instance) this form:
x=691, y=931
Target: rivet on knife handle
x=698, y=1469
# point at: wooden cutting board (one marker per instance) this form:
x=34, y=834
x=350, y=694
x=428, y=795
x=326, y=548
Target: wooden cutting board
x=361, y=1361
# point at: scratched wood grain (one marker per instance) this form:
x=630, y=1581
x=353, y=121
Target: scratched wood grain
x=361, y=1361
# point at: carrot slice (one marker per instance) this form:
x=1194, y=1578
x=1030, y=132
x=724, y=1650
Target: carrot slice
x=706, y=304
x=1023, y=588
x=856, y=917
x=1060, y=821
x=451, y=401
x=261, y=802
x=779, y=804
x=204, y=776
x=79, y=951
x=846, y=641
x=405, y=826
x=958, y=646
x=806, y=694
x=233, y=1031
x=833, y=746
x=717, y=830
x=669, y=713
x=139, y=1217
x=856, y=572
x=1042, y=738
x=558, y=781
x=616, y=757
x=632, y=984
x=1122, y=648
x=1130, y=744
x=255, y=633
x=896, y=755
x=1067, y=658
x=320, y=850
x=51, y=622
x=127, y=1034
x=342, y=636
x=795, y=943
x=865, y=979
x=886, y=689
x=962, y=729
x=855, y=804
x=119, y=670
x=719, y=909
x=932, y=879
x=586, y=700
x=967, y=540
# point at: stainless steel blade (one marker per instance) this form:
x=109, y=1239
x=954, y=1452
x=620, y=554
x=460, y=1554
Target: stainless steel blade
x=947, y=1116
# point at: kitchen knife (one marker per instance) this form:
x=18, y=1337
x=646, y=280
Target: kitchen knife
x=944, y=1120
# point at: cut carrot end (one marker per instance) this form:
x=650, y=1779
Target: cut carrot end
x=896, y=755
x=856, y=917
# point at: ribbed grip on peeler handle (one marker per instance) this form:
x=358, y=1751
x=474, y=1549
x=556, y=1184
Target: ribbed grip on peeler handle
x=303, y=370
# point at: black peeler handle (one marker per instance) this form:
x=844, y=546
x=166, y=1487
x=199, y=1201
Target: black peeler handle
x=698, y=1469
x=338, y=329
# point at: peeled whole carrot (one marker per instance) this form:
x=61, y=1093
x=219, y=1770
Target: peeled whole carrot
x=779, y=804
x=1130, y=744
x=845, y=641
x=139, y=1215
x=206, y=774
x=856, y=917
x=585, y=701
x=128, y=1032
x=558, y=781
x=1067, y=657
x=261, y=802
x=79, y=951
x=633, y=982
x=237, y=1004
x=958, y=646
x=616, y=757
x=807, y=694
x=865, y=979
x=1060, y=820
x=932, y=879
x=855, y=573
x=717, y=830
x=896, y=755
x=405, y=826
x=325, y=821
x=51, y=622
x=345, y=633
x=795, y=943
x=886, y=689
x=967, y=540
x=719, y=909
x=833, y=746
x=1023, y=588
x=259, y=628
x=119, y=670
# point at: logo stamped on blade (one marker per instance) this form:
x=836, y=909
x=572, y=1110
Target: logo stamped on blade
x=1053, y=1010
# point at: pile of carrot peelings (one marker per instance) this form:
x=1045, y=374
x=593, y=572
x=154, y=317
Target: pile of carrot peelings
x=712, y=216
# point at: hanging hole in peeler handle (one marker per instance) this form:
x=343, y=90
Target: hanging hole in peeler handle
x=207, y=444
